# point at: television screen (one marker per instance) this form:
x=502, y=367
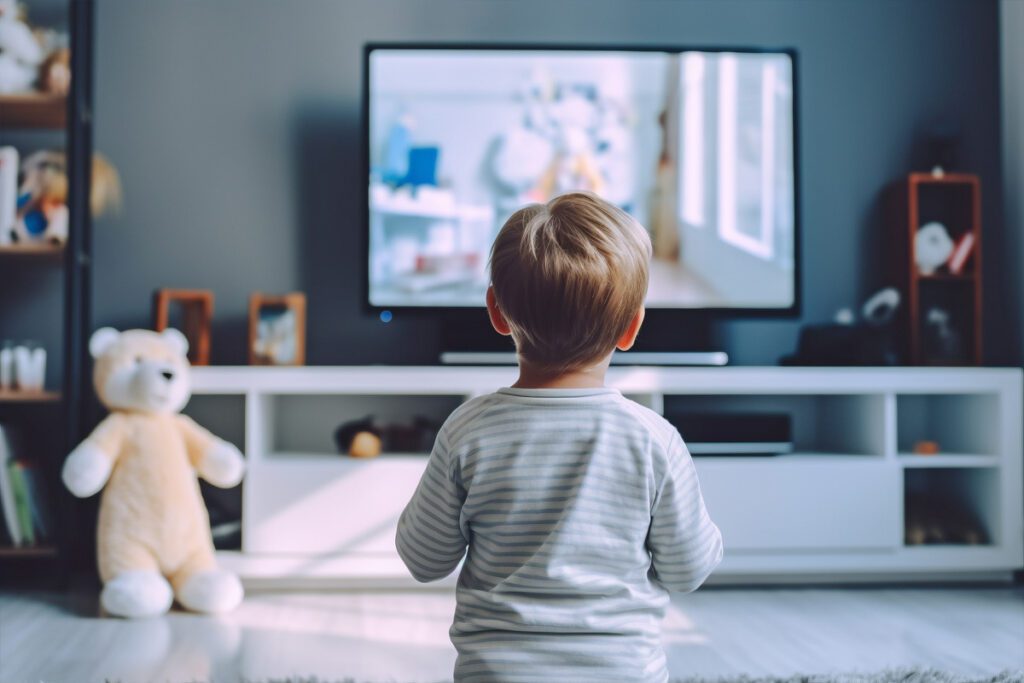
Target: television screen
x=697, y=145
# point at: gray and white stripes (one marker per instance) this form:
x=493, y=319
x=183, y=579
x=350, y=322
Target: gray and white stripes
x=580, y=510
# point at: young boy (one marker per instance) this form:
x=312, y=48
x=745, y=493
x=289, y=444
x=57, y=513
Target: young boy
x=580, y=509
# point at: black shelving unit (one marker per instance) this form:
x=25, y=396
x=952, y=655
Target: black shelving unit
x=28, y=117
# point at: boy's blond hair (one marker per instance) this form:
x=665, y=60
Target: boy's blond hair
x=568, y=277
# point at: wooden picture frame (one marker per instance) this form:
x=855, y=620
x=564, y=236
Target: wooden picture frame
x=197, y=307
x=277, y=329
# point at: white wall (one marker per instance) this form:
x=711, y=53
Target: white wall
x=1012, y=39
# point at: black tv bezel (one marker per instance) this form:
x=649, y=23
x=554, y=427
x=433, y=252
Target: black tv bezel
x=703, y=312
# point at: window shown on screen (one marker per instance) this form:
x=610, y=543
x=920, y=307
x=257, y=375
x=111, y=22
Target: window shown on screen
x=697, y=145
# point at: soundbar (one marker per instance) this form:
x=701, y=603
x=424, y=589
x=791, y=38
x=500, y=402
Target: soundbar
x=739, y=448
x=731, y=433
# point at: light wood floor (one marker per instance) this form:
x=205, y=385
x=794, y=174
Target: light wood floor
x=403, y=636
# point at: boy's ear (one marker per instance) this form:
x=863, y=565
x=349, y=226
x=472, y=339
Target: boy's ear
x=625, y=342
x=498, y=321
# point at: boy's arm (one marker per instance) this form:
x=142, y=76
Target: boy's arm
x=429, y=538
x=685, y=544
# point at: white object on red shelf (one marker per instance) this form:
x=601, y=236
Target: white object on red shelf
x=961, y=252
x=932, y=247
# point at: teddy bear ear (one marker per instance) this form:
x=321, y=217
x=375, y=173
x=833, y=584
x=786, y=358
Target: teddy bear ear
x=101, y=340
x=176, y=339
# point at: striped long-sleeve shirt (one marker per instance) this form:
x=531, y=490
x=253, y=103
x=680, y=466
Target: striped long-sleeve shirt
x=580, y=511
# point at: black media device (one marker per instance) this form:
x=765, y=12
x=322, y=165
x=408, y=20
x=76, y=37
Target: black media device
x=735, y=434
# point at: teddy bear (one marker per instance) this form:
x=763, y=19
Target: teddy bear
x=153, y=536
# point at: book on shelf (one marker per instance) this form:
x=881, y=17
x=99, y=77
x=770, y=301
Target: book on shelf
x=38, y=506
x=26, y=516
x=21, y=502
x=8, y=191
x=7, y=502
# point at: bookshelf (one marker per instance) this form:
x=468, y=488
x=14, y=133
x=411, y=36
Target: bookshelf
x=45, y=296
x=942, y=312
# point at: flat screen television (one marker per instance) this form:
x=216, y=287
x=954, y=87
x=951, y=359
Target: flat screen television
x=698, y=144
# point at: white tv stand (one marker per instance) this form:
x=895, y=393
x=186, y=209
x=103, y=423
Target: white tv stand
x=654, y=358
x=832, y=510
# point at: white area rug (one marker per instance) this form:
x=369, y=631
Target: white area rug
x=889, y=676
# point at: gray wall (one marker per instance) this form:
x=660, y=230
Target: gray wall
x=235, y=126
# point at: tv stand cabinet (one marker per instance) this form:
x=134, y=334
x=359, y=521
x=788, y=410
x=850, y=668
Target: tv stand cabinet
x=833, y=510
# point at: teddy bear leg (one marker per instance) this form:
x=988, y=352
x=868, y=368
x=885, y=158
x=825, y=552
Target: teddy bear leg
x=201, y=586
x=132, y=584
x=137, y=594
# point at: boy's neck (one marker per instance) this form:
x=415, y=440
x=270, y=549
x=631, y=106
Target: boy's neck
x=531, y=377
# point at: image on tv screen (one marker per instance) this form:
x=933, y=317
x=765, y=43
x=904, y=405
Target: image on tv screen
x=698, y=146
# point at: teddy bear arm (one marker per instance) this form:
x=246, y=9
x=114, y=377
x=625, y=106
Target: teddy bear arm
x=89, y=465
x=213, y=458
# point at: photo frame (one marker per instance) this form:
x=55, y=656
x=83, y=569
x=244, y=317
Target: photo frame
x=277, y=329
x=197, y=311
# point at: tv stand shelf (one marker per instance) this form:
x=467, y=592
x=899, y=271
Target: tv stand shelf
x=837, y=508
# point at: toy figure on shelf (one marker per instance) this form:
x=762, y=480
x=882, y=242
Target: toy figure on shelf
x=55, y=73
x=20, y=52
x=42, y=213
x=31, y=58
x=932, y=247
x=368, y=438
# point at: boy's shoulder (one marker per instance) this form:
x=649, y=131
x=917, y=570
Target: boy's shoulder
x=660, y=429
x=467, y=413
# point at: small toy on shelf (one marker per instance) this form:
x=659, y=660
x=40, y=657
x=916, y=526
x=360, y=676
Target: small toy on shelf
x=42, y=212
x=365, y=445
x=55, y=73
x=20, y=52
x=359, y=439
x=926, y=448
x=153, y=536
x=365, y=438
